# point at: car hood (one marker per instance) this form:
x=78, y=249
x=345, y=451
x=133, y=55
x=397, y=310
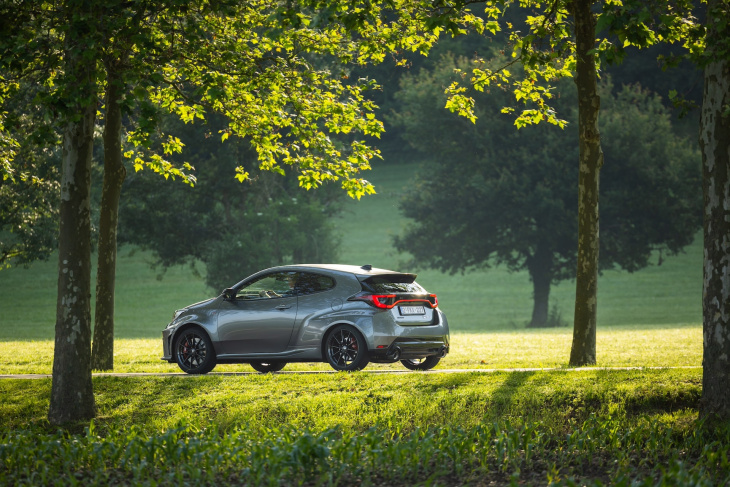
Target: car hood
x=200, y=304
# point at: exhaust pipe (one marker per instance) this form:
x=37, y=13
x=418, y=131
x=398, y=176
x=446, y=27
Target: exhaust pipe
x=394, y=355
x=442, y=353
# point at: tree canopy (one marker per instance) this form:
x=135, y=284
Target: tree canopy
x=492, y=195
x=234, y=229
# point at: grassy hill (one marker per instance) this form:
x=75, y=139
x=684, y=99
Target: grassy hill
x=488, y=300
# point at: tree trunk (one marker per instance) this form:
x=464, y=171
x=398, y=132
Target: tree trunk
x=539, y=266
x=583, y=351
x=715, y=144
x=102, y=356
x=72, y=396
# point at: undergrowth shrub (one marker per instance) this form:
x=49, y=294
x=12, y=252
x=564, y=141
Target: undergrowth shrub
x=600, y=451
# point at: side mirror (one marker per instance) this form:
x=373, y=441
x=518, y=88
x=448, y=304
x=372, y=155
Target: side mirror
x=229, y=294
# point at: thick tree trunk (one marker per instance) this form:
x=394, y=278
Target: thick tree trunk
x=72, y=396
x=539, y=266
x=583, y=351
x=102, y=356
x=715, y=143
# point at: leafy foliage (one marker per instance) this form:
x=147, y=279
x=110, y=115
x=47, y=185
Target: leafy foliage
x=280, y=74
x=29, y=189
x=233, y=228
x=541, y=44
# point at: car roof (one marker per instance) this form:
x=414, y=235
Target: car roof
x=361, y=273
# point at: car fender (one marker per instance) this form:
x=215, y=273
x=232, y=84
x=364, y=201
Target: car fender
x=195, y=320
x=311, y=328
x=363, y=324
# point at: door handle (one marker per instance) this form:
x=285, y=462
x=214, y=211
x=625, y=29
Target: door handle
x=283, y=306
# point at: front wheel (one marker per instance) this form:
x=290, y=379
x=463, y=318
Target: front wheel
x=265, y=367
x=345, y=349
x=421, y=363
x=194, y=352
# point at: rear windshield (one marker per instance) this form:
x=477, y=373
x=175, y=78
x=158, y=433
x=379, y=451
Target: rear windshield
x=393, y=283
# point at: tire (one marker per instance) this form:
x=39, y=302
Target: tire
x=194, y=351
x=421, y=363
x=345, y=349
x=265, y=367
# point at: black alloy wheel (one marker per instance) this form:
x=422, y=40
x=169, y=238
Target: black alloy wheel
x=421, y=363
x=194, y=352
x=265, y=367
x=345, y=349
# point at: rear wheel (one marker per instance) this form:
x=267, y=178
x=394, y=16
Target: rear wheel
x=421, y=363
x=345, y=349
x=194, y=352
x=265, y=367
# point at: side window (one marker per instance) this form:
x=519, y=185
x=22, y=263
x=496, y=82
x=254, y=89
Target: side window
x=275, y=285
x=308, y=283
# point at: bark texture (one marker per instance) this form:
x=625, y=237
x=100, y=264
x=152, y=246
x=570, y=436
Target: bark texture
x=583, y=350
x=72, y=396
x=102, y=356
x=715, y=144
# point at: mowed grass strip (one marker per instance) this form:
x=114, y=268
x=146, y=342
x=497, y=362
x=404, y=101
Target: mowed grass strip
x=648, y=346
x=358, y=401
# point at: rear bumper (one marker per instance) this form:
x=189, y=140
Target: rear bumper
x=411, y=348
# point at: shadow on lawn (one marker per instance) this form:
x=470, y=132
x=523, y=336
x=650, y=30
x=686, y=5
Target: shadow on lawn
x=503, y=398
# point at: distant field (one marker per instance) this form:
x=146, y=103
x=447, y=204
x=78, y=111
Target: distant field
x=494, y=300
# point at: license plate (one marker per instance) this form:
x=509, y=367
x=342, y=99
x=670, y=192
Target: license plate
x=412, y=310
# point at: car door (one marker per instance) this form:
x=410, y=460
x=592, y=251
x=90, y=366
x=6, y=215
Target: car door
x=261, y=318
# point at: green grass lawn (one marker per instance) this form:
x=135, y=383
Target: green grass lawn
x=628, y=346
x=396, y=402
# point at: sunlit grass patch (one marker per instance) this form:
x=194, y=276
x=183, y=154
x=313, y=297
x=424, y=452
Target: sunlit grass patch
x=647, y=346
x=359, y=401
x=619, y=346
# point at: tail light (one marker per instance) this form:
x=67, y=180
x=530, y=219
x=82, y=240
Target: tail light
x=382, y=301
x=388, y=301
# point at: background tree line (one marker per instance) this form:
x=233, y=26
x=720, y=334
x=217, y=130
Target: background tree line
x=490, y=195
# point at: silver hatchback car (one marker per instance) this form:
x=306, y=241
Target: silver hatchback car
x=345, y=315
